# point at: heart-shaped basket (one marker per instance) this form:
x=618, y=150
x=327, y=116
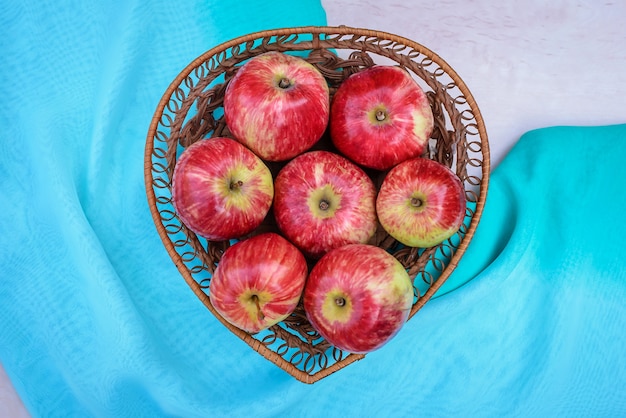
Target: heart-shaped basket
x=191, y=109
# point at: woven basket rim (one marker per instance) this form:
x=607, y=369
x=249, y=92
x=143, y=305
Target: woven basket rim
x=316, y=31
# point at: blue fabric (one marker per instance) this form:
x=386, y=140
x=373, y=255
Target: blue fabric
x=95, y=320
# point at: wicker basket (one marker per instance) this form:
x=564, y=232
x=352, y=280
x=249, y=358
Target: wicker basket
x=191, y=109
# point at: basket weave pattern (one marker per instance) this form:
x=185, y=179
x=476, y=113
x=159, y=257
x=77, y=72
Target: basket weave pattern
x=192, y=109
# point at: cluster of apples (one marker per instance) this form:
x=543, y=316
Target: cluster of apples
x=325, y=205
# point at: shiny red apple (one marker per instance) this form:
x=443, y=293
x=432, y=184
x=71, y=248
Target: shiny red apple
x=323, y=201
x=358, y=297
x=380, y=117
x=220, y=189
x=277, y=105
x=258, y=282
x=421, y=203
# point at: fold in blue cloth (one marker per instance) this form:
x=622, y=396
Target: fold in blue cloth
x=96, y=320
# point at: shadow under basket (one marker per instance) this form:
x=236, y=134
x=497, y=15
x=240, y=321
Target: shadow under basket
x=192, y=109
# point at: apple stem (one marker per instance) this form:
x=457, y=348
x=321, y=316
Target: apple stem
x=284, y=83
x=416, y=202
x=339, y=301
x=381, y=115
x=255, y=299
x=234, y=185
x=324, y=205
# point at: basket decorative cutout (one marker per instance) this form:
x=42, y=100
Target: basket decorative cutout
x=191, y=109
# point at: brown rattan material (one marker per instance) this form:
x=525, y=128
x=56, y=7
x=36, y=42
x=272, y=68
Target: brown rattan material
x=191, y=109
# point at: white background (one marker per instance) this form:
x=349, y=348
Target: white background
x=528, y=64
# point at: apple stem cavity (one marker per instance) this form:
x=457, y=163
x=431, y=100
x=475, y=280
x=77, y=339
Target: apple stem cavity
x=255, y=299
x=416, y=202
x=339, y=301
x=284, y=83
x=235, y=185
x=380, y=115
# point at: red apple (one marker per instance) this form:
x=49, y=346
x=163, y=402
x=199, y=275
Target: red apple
x=323, y=201
x=358, y=297
x=380, y=117
x=258, y=282
x=421, y=203
x=277, y=105
x=220, y=189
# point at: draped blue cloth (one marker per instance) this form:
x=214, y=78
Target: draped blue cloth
x=95, y=320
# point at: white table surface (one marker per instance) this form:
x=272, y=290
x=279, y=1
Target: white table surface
x=528, y=65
